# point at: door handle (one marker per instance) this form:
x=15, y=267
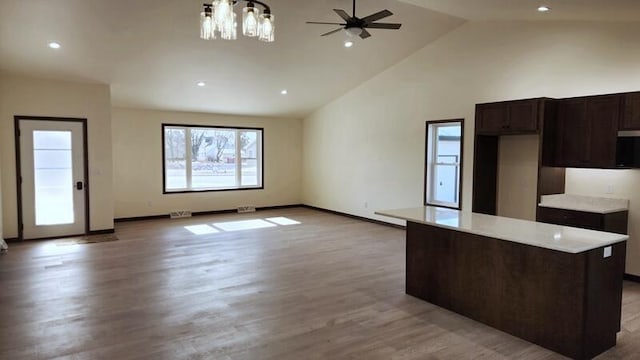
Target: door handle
x=79, y=185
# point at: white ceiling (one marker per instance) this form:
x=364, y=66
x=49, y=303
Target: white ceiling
x=150, y=53
x=590, y=10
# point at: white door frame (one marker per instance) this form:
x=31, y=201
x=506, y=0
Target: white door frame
x=85, y=165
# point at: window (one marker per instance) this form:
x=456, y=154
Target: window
x=444, y=163
x=198, y=158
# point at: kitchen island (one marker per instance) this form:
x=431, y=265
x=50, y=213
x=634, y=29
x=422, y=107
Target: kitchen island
x=556, y=286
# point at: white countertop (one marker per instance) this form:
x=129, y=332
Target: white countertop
x=553, y=237
x=584, y=203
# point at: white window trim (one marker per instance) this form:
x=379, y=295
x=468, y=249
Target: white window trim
x=238, y=151
x=432, y=164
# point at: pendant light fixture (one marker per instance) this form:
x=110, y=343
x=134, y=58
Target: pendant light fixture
x=218, y=18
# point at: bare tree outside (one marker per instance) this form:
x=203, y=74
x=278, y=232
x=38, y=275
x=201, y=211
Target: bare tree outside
x=197, y=138
x=175, y=157
x=220, y=140
x=245, y=140
x=174, y=144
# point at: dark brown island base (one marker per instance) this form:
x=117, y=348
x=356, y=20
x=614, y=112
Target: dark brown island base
x=555, y=286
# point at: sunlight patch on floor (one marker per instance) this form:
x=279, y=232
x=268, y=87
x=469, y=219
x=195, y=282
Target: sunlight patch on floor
x=204, y=229
x=244, y=225
x=201, y=229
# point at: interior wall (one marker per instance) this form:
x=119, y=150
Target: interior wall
x=365, y=150
x=137, y=163
x=518, y=176
x=622, y=184
x=22, y=95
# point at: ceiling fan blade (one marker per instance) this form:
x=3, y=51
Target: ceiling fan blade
x=377, y=16
x=331, y=32
x=383, y=26
x=324, y=23
x=364, y=34
x=343, y=14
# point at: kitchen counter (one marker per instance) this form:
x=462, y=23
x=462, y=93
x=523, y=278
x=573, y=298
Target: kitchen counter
x=548, y=236
x=591, y=204
x=556, y=286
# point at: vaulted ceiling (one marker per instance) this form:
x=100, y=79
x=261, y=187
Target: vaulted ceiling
x=565, y=10
x=150, y=53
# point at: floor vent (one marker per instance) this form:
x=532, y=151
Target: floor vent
x=246, y=209
x=180, y=214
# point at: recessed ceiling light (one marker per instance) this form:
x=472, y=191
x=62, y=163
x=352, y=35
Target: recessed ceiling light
x=348, y=44
x=201, y=83
x=543, y=8
x=284, y=92
x=54, y=45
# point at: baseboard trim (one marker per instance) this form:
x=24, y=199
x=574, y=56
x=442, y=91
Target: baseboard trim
x=634, y=278
x=102, y=232
x=357, y=217
x=214, y=212
x=201, y=213
x=91, y=232
x=140, y=218
x=277, y=207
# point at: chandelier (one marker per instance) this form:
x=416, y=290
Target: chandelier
x=218, y=18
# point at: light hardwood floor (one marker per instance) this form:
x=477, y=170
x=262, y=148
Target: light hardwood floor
x=330, y=287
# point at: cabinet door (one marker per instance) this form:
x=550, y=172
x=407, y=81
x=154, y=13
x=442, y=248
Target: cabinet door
x=631, y=116
x=615, y=222
x=574, y=218
x=603, y=113
x=523, y=116
x=572, y=134
x=491, y=118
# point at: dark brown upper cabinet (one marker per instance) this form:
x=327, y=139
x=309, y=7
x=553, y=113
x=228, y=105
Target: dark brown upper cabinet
x=630, y=119
x=586, y=130
x=572, y=145
x=508, y=117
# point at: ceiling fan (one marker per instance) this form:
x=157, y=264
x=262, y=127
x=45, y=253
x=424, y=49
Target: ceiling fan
x=358, y=26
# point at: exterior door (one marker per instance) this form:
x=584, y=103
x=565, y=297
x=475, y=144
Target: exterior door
x=52, y=178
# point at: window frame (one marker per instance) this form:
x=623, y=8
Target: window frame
x=211, y=127
x=429, y=165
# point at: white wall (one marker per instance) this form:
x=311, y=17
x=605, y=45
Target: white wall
x=518, y=176
x=368, y=145
x=137, y=162
x=21, y=95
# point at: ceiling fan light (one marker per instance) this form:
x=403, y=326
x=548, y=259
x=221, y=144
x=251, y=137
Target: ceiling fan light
x=250, y=23
x=354, y=31
x=266, y=30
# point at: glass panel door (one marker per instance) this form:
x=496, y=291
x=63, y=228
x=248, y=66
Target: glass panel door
x=52, y=172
